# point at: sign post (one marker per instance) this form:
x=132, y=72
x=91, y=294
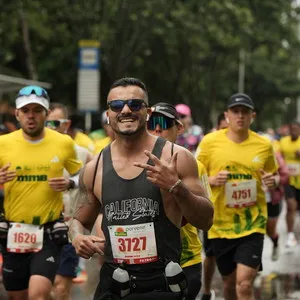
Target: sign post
x=88, y=87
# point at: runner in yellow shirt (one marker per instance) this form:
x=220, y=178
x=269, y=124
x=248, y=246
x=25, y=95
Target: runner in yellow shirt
x=164, y=122
x=290, y=149
x=241, y=162
x=32, y=160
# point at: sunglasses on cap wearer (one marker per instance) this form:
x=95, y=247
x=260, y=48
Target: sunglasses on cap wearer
x=55, y=123
x=164, y=122
x=133, y=104
x=33, y=89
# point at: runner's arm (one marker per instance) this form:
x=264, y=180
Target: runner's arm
x=87, y=205
x=190, y=195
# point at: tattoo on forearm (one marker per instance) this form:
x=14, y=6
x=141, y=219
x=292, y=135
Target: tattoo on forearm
x=82, y=198
x=75, y=228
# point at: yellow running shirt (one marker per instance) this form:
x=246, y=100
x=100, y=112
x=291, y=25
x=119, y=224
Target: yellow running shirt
x=101, y=144
x=191, y=244
x=288, y=149
x=29, y=198
x=84, y=141
x=239, y=205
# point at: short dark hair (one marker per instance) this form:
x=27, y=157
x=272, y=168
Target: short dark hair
x=62, y=107
x=126, y=81
x=220, y=118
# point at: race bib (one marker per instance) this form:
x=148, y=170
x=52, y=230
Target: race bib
x=133, y=244
x=294, y=169
x=23, y=238
x=241, y=194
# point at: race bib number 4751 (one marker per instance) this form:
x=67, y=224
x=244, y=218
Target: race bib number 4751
x=133, y=244
x=24, y=238
x=241, y=194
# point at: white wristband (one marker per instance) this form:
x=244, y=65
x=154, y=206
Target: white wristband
x=174, y=186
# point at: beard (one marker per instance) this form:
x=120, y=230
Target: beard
x=33, y=133
x=131, y=132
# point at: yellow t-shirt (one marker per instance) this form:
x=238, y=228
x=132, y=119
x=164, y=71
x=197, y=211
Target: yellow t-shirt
x=101, y=144
x=288, y=149
x=29, y=197
x=85, y=141
x=276, y=145
x=191, y=244
x=244, y=187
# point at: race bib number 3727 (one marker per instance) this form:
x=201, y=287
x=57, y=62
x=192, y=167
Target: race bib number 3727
x=133, y=244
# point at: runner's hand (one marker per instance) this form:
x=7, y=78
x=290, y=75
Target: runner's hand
x=87, y=245
x=59, y=184
x=268, y=179
x=162, y=174
x=219, y=179
x=6, y=175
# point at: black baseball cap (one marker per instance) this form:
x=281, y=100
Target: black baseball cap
x=165, y=109
x=240, y=99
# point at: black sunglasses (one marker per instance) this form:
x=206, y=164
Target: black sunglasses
x=164, y=122
x=133, y=104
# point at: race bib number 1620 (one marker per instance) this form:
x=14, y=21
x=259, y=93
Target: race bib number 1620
x=24, y=238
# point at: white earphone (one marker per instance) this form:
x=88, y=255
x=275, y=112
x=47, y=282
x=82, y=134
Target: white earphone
x=107, y=120
x=148, y=117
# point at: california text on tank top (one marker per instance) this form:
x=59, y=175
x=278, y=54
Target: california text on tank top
x=134, y=219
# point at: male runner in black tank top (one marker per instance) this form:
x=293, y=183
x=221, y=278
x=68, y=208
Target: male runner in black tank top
x=143, y=192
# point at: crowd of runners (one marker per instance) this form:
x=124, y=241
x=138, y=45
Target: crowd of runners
x=138, y=199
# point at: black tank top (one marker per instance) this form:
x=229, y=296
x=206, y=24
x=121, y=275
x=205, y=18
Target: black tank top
x=137, y=201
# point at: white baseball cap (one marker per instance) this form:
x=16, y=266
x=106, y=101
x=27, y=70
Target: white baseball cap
x=24, y=100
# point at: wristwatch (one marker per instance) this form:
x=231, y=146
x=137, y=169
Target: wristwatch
x=71, y=184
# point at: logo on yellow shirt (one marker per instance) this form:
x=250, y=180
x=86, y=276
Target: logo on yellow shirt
x=55, y=159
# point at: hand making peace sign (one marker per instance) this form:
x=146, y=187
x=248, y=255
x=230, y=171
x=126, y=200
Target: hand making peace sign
x=162, y=174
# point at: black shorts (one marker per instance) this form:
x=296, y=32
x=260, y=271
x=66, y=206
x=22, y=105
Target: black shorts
x=273, y=210
x=193, y=276
x=68, y=261
x=18, y=267
x=291, y=192
x=245, y=250
x=208, y=250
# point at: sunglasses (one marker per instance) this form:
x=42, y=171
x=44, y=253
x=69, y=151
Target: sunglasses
x=133, y=104
x=164, y=122
x=53, y=124
x=33, y=89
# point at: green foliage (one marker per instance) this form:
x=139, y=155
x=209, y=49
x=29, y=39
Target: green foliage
x=185, y=50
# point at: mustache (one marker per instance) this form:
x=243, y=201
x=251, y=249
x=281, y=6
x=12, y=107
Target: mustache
x=127, y=116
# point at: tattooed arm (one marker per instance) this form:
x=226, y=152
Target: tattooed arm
x=86, y=211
